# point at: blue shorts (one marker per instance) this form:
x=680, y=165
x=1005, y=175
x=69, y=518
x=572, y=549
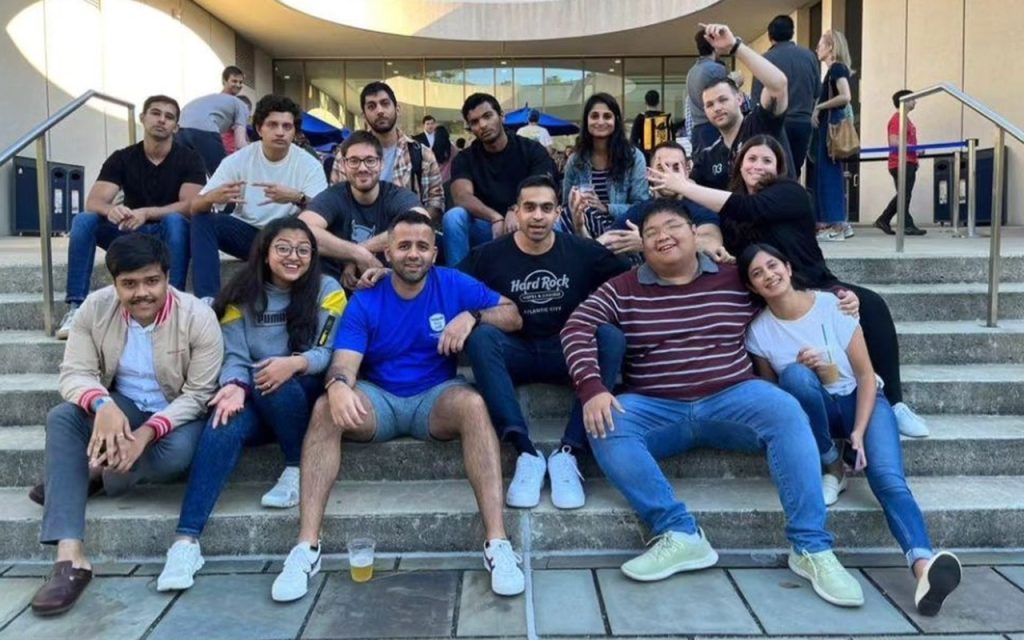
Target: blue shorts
x=398, y=416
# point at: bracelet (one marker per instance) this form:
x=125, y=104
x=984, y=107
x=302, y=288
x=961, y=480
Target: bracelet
x=736, y=46
x=338, y=378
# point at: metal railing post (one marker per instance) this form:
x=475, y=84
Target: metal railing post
x=994, y=262
x=954, y=211
x=901, y=179
x=131, y=126
x=45, y=213
x=972, y=187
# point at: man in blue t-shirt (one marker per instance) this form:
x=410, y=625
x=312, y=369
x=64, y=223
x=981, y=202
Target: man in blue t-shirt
x=401, y=338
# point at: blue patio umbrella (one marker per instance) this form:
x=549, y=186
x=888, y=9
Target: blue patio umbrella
x=555, y=126
x=319, y=132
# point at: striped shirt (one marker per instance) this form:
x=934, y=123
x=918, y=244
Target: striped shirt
x=684, y=342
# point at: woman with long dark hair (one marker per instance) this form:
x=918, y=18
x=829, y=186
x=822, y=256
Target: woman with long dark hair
x=816, y=353
x=764, y=207
x=605, y=175
x=278, y=316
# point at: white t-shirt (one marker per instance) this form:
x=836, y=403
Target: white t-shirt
x=298, y=170
x=536, y=132
x=824, y=325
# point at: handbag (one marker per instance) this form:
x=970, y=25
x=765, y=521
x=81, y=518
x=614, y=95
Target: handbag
x=843, y=141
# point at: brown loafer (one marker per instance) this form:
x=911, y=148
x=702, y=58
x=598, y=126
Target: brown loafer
x=62, y=590
x=37, y=494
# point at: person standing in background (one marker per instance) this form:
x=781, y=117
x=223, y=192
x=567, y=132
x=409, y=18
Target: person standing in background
x=884, y=221
x=829, y=189
x=204, y=119
x=706, y=71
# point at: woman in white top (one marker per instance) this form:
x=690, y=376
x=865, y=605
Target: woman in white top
x=816, y=353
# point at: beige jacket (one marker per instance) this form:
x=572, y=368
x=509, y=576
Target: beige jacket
x=187, y=354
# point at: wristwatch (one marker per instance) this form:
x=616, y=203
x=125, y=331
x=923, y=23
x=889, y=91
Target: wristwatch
x=303, y=201
x=477, y=316
x=736, y=46
x=338, y=378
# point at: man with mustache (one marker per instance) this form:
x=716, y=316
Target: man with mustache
x=158, y=177
x=392, y=375
x=405, y=162
x=142, y=361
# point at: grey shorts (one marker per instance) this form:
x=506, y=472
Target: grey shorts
x=398, y=416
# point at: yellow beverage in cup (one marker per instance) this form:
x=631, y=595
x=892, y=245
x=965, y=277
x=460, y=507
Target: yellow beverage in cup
x=360, y=559
x=828, y=373
x=361, y=573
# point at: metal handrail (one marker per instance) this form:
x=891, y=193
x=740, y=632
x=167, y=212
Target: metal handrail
x=37, y=134
x=1003, y=126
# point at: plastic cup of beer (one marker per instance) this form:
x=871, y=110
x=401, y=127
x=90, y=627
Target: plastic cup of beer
x=827, y=370
x=360, y=559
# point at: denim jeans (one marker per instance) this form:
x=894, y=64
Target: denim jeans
x=501, y=361
x=462, y=232
x=832, y=417
x=282, y=416
x=213, y=232
x=750, y=416
x=208, y=144
x=89, y=230
x=799, y=134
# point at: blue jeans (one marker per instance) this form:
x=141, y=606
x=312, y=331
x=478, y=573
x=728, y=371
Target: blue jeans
x=462, y=232
x=89, y=230
x=832, y=417
x=501, y=361
x=799, y=134
x=207, y=144
x=750, y=416
x=213, y=232
x=282, y=416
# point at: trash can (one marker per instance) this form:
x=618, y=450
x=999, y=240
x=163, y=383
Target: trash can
x=26, y=198
x=943, y=190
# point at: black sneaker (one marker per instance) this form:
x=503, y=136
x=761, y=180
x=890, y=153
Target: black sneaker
x=940, y=578
x=885, y=227
x=914, y=231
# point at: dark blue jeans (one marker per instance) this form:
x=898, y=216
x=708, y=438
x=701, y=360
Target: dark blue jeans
x=89, y=230
x=799, y=134
x=462, y=232
x=501, y=361
x=207, y=144
x=282, y=416
x=832, y=417
x=213, y=232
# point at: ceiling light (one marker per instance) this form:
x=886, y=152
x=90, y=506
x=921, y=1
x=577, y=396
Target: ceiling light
x=618, y=61
x=612, y=70
x=504, y=62
x=389, y=63
x=287, y=77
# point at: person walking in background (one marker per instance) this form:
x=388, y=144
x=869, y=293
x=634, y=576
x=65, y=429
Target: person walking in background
x=829, y=189
x=204, y=119
x=652, y=127
x=884, y=221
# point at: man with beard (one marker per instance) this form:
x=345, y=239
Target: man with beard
x=392, y=375
x=140, y=365
x=158, y=178
x=349, y=218
x=485, y=178
x=546, y=274
x=205, y=119
x=404, y=162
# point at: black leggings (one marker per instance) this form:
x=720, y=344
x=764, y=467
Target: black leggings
x=880, y=336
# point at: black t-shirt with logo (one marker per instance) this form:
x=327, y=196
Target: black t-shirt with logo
x=712, y=165
x=152, y=185
x=545, y=288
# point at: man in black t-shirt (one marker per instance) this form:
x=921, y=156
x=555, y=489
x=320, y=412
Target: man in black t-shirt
x=158, y=178
x=350, y=219
x=723, y=103
x=546, y=274
x=485, y=178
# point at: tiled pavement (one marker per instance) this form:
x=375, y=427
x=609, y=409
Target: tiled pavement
x=572, y=597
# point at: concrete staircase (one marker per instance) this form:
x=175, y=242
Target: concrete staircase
x=968, y=380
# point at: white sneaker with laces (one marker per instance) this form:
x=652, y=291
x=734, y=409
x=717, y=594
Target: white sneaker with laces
x=524, y=490
x=285, y=493
x=848, y=231
x=831, y=487
x=502, y=562
x=66, y=323
x=566, y=488
x=828, y=235
x=300, y=566
x=909, y=423
x=184, y=560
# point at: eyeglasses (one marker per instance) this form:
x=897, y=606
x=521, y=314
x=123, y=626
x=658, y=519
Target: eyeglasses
x=285, y=250
x=353, y=162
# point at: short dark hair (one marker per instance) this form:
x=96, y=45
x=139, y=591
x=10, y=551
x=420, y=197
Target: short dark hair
x=704, y=47
x=477, y=99
x=781, y=28
x=652, y=98
x=411, y=216
x=534, y=116
x=373, y=88
x=427, y=118
x=670, y=144
x=540, y=180
x=231, y=70
x=361, y=137
x=899, y=94
x=271, y=103
x=664, y=205
x=164, y=99
x=714, y=82
x=460, y=143
x=136, y=251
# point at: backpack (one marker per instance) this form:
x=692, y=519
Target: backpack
x=657, y=129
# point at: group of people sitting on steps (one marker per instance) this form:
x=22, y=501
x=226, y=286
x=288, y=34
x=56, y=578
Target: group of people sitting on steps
x=730, y=332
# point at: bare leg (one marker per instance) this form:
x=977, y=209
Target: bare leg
x=73, y=550
x=321, y=461
x=461, y=412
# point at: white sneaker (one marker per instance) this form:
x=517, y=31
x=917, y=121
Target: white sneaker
x=502, y=562
x=67, y=322
x=524, y=490
x=566, y=488
x=910, y=423
x=831, y=487
x=828, y=235
x=940, y=578
x=300, y=566
x=848, y=231
x=285, y=493
x=184, y=560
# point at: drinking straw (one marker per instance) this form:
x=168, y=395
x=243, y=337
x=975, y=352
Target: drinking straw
x=828, y=351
